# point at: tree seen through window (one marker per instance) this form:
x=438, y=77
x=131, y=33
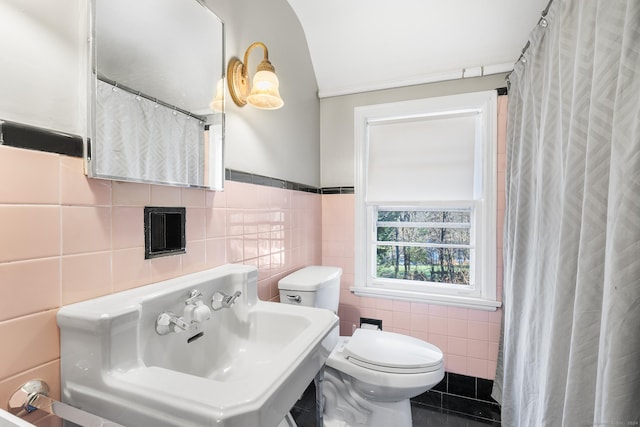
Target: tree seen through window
x=424, y=245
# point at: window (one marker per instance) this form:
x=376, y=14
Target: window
x=425, y=200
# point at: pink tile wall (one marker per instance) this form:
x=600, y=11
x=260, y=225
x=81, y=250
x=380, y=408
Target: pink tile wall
x=468, y=338
x=66, y=238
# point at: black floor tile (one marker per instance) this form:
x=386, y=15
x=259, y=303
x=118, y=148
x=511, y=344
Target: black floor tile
x=307, y=401
x=460, y=420
x=423, y=414
x=472, y=407
x=461, y=385
x=442, y=385
x=304, y=418
x=429, y=398
x=484, y=389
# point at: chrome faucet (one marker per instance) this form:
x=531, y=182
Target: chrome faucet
x=168, y=322
x=195, y=311
x=221, y=300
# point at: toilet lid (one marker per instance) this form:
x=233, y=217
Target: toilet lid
x=391, y=352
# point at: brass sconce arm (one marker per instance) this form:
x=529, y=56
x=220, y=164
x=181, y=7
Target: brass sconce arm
x=264, y=65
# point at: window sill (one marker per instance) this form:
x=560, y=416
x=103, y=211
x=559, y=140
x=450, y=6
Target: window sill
x=450, y=300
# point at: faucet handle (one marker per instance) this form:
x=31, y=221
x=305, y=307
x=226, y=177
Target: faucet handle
x=221, y=300
x=168, y=322
x=194, y=296
x=217, y=301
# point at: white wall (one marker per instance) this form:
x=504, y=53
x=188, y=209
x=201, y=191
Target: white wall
x=337, y=126
x=43, y=71
x=43, y=63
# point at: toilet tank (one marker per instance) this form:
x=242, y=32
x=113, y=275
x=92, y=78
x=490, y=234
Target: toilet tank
x=314, y=286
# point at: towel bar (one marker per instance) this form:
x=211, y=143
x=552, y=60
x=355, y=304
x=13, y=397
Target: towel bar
x=33, y=395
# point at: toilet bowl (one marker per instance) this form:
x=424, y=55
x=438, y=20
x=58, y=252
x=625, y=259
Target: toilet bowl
x=388, y=366
x=370, y=376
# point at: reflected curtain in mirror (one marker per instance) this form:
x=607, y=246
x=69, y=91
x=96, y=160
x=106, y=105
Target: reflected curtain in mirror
x=143, y=140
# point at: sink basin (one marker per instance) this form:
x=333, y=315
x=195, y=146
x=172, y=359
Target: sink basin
x=244, y=366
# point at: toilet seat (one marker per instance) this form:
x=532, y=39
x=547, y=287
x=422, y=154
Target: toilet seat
x=392, y=353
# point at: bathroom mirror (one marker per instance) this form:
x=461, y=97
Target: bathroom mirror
x=157, y=90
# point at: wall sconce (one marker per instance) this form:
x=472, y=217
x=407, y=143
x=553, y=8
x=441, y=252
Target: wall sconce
x=264, y=92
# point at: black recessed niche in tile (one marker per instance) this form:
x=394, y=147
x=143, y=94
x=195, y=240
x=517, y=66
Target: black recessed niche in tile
x=374, y=322
x=164, y=231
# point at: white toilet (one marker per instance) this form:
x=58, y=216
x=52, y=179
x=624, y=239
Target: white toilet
x=370, y=376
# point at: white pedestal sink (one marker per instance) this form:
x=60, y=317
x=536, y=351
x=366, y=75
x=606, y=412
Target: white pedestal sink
x=246, y=365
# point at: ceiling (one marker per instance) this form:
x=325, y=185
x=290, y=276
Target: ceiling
x=362, y=45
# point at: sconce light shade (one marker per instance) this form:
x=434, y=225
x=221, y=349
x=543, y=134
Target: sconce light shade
x=264, y=92
x=217, y=104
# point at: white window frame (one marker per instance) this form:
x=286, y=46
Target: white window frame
x=481, y=294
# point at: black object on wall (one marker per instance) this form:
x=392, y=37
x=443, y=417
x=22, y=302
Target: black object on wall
x=40, y=139
x=164, y=231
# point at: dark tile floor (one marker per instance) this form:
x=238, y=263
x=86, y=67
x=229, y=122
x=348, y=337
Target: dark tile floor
x=423, y=416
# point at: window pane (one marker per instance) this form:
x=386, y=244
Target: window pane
x=453, y=236
x=415, y=257
x=448, y=216
x=422, y=226
x=442, y=265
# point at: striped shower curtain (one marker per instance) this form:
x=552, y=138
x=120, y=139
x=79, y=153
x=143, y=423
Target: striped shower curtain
x=571, y=336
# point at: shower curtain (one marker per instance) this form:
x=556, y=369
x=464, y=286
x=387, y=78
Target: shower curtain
x=571, y=334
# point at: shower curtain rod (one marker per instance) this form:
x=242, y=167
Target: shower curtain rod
x=542, y=21
x=150, y=98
